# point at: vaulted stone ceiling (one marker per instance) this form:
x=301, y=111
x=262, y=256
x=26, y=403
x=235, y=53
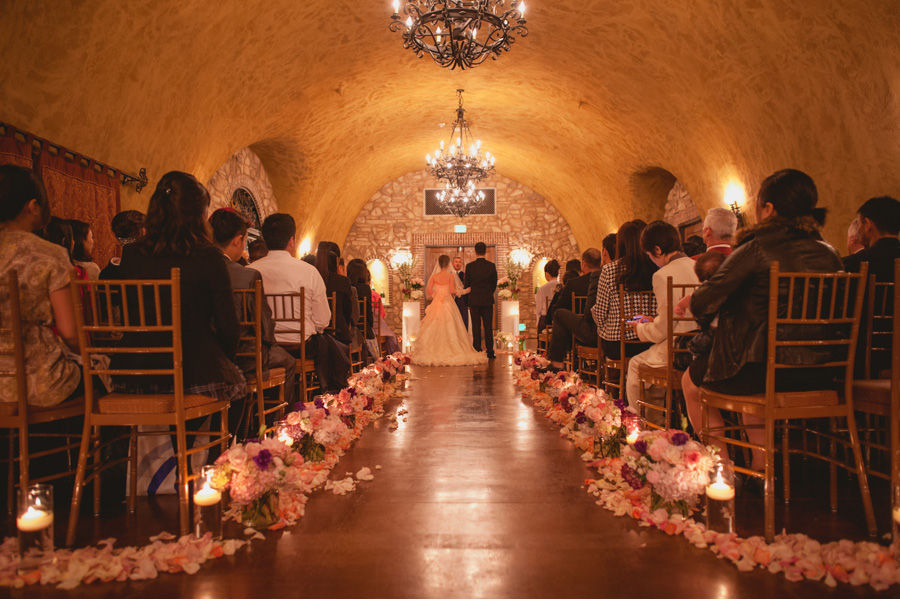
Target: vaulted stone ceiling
x=598, y=92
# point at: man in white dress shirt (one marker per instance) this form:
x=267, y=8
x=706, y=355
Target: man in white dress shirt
x=283, y=273
x=545, y=292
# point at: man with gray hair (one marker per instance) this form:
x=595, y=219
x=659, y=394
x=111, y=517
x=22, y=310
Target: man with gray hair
x=853, y=243
x=718, y=230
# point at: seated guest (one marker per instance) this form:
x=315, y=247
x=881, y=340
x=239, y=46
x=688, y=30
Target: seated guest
x=83, y=245
x=358, y=273
x=282, y=273
x=694, y=246
x=51, y=374
x=310, y=259
x=662, y=244
x=634, y=270
x=568, y=325
x=545, y=293
x=573, y=265
x=177, y=236
x=127, y=227
x=787, y=231
x=391, y=345
x=335, y=283
x=573, y=284
x=853, y=244
x=608, y=249
x=257, y=249
x=229, y=230
x=878, y=226
x=718, y=230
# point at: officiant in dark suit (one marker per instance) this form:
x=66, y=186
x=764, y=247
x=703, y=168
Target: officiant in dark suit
x=481, y=277
x=462, y=302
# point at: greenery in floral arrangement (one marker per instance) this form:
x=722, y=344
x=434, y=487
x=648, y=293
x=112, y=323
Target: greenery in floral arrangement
x=410, y=286
x=509, y=285
x=311, y=450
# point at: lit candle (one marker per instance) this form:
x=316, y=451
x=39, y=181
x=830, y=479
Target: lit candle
x=207, y=496
x=897, y=515
x=34, y=519
x=719, y=490
x=632, y=436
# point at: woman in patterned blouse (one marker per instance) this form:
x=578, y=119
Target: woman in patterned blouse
x=635, y=271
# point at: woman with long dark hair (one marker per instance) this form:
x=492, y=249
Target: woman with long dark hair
x=787, y=231
x=335, y=283
x=177, y=235
x=82, y=247
x=358, y=273
x=633, y=269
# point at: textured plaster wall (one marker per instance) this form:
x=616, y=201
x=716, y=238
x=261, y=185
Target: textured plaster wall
x=242, y=170
x=334, y=107
x=393, y=219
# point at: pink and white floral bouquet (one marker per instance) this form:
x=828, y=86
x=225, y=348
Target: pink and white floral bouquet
x=674, y=466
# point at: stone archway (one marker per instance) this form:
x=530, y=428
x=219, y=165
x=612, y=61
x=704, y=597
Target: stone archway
x=244, y=170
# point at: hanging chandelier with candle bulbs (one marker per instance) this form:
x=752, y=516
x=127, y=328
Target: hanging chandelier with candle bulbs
x=459, y=33
x=462, y=162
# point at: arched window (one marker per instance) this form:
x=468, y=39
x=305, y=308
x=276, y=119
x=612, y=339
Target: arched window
x=244, y=202
x=380, y=279
x=538, y=276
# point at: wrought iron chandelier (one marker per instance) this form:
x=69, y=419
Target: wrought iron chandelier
x=461, y=166
x=459, y=33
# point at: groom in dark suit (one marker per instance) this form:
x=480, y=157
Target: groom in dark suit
x=462, y=302
x=481, y=277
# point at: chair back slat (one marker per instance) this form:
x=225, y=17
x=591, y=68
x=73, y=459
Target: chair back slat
x=12, y=344
x=827, y=330
x=249, y=303
x=288, y=315
x=675, y=292
x=879, y=325
x=578, y=304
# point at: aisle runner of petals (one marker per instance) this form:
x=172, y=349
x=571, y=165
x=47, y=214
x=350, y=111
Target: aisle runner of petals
x=272, y=477
x=592, y=421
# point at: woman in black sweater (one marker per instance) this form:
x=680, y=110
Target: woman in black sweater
x=335, y=283
x=177, y=237
x=358, y=272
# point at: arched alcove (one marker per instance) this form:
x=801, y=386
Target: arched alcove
x=241, y=183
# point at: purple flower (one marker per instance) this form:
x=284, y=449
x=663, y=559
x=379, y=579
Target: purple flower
x=319, y=402
x=620, y=404
x=299, y=406
x=263, y=459
x=640, y=446
x=680, y=438
x=580, y=418
x=535, y=375
x=631, y=478
x=385, y=376
x=352, y=391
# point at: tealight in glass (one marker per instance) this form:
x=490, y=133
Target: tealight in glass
x=207, y=504
x=34, y=520
x=720, y=497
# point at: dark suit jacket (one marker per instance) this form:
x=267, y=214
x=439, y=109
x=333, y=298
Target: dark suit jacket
x=244, y=278
x=563, y=298
x=462, y=301
x=481, y=276
x=586, y=316
x=340, y=285
x=880, y=257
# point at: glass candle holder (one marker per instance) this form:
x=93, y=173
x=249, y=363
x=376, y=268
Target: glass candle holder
x=895, y=520
x=34, y=520
x=207, y=504
x=283, y=434
x=632, y=424
x=720, y=497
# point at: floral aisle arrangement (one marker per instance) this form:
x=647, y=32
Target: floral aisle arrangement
x=669, y=464
x=411, y=287
x=269, y=480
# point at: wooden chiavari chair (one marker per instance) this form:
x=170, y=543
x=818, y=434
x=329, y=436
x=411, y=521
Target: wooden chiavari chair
x=144, y=315
x=250, y=303
x=16, y=417
x=331, y=328
x=288, y=314
x=668, y=376
x=816, y=302
x=615, y=384
x=358, y=357
x=543, y=338
x=571, y=362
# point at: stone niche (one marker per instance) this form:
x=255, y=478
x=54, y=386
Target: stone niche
x=243, y=170
x=680, y=207
x=393, y=219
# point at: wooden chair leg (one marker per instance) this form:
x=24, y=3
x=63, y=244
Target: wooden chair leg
x=78, y=488
x=181, y=454
x=770, y=479
x=861, y=476
x=132, y=464
x=786, y=462
x=97, y=461
x=704, y=423
x=281, y=399
x=832, y=470
x=261, y=404
x=223, y=429
x=11, y=473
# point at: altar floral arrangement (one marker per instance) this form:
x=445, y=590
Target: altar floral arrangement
x=410, y=287
x=675, y=466
x=508, y=288
x=665, y=468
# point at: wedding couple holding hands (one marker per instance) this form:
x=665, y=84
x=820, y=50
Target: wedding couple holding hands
x=443, y=340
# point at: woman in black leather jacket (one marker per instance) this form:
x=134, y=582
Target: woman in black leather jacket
x=787, y=231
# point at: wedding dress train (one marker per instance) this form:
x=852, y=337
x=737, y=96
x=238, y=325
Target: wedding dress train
x=443, y=340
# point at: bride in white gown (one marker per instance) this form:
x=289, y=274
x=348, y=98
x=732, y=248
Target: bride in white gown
x=443, y=340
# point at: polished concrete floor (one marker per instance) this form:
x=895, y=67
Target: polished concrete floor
x=477, y=496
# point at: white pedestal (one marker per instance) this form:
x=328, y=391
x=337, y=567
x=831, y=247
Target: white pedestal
x=509, y=318
x=412, y=316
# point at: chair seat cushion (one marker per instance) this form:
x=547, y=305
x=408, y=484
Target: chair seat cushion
x=872, y=395
x=267, y=376
x=147, y=403
x=782, y=399
x=11, y=409
x=590, y=352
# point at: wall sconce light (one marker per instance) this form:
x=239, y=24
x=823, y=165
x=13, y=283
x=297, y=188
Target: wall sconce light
x=400, y=258
x=521, y=257
x=734, y=197
x=304, y=248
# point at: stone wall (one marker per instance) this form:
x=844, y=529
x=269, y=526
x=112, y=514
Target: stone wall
x=393, y=219
x=242, y=170
x=680, y=207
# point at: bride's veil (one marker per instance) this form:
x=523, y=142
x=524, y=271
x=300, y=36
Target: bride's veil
x=437, y=269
